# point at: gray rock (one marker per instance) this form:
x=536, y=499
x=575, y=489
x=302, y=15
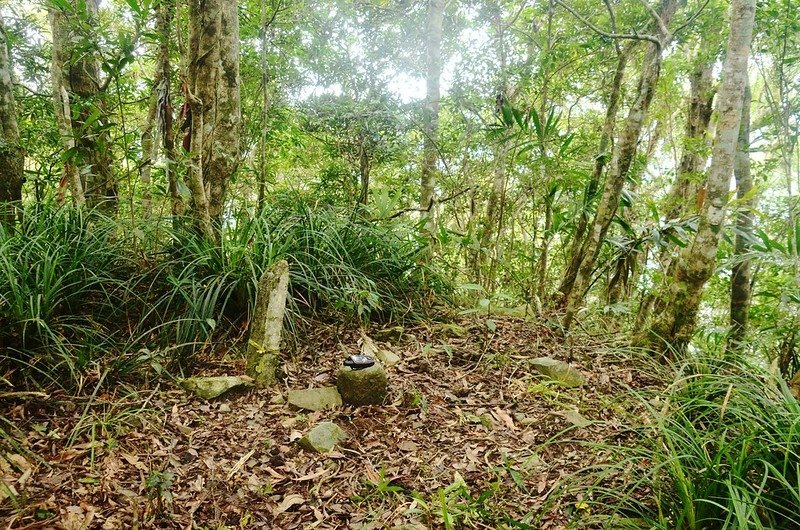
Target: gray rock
x=362, y=387
x=393, y=334
x=323, y=437
x=387, y=357
x=211, y=387
x=559, y=371
x=315, y=398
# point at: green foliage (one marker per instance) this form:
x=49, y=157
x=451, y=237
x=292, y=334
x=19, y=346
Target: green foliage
x=61, y=275
x=720, y=449
x=68, y=277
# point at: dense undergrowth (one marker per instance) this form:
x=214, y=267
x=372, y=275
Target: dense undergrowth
x=718, y=449
x=79, y=290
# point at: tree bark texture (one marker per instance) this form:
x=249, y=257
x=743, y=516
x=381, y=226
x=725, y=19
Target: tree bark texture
x=11, y=154
x=741, y=275
x=79, y=106
x=430, y=125
x=676, y=311
x=214, y=94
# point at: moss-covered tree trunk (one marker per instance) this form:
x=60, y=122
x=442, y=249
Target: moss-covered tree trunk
x=79, y=106
x=676, y=310
x=11, y=155
x=214, y=99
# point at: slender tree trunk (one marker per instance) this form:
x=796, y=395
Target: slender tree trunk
x=691, y=170
x=11, y=154
x=544, y=177
x=676, y=310
x=214, y=98
x=741, y=277
x=149, y=152
x=78, y=100
x=687, y=190
x=597, y=171
x=165, y=118
x=363, y=172
x=431, y=114
x=265, y=108
x=624, y=153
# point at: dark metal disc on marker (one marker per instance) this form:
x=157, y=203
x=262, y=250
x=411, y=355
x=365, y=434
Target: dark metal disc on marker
x=359, y=362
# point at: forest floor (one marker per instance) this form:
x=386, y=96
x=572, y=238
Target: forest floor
x=469, y=436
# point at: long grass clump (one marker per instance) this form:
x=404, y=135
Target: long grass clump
x=719, y=449
x=75, y=293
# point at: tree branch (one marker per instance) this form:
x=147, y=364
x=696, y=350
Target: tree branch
x=630, y=36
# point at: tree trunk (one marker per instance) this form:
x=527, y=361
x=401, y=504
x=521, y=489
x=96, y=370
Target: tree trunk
x=214, y=97
x=691, y=170
x=676, y=313
x=430, y=124
x=597, y=171
x=741, y=276
x=165, y=13
x=491, y=225
x=684, y=196
x=78, y=100
x=11, y=154
x=624, y=153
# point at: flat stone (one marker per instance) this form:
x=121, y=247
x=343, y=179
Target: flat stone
x=387, y=357
x=559, y=371
x=393, y=334
x=362, y=387
x=452, y=331
x=315, y=398
x=211, y=387
x=322, y=438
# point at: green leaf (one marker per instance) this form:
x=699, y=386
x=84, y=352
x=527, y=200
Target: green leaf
x=491, y=325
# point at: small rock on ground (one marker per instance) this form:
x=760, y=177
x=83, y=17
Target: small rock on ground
x=322, y=438
x=315, y=399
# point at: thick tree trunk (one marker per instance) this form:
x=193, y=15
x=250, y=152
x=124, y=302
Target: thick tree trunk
x=741, y=276
x=11, y=155
x=78, y=99
x=214, y=97
x=575, y=256
x=431, y=115
x=675, y=321
x=624, y=153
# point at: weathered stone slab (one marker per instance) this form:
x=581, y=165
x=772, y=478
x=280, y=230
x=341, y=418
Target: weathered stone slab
x=263, y=348
x=559, y=371
x=315, y=398
x=322, y=438
x=367, y=386
x=211, y=387
x=387, y=358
